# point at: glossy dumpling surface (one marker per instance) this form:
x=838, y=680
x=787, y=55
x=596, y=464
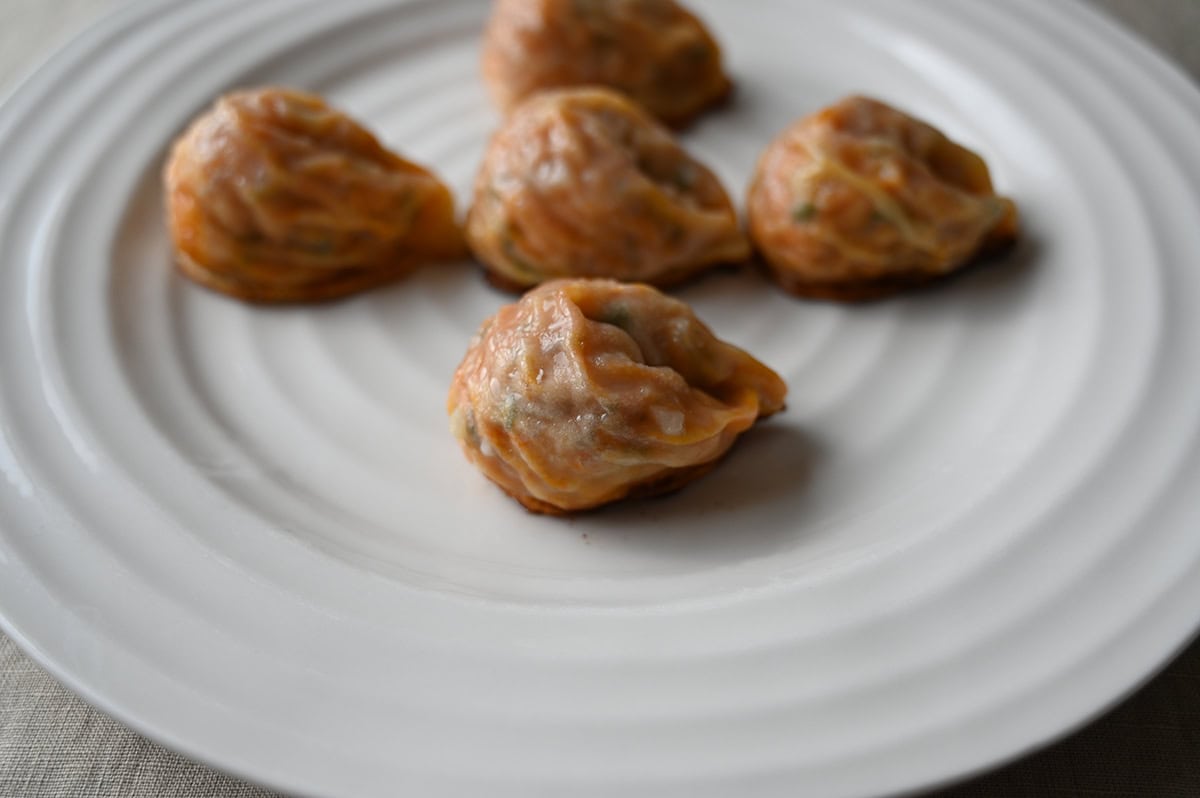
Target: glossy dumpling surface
x=861, y=200
x=583, y=183
x=274, y=196
x=655, y=51
x=588, y=391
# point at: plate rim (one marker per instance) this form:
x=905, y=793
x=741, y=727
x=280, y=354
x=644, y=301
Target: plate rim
x=114, y=20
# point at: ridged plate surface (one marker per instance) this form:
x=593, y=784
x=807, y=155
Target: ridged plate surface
x=248, y=533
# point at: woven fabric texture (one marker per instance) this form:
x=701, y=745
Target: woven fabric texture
x=53, y=745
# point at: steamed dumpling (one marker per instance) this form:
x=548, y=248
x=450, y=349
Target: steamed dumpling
x=273, y=196
x=860, y=200
x=582, y=183
x=587, y=391
x=656, y=51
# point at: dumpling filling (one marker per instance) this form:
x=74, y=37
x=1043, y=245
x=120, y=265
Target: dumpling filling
x=588, y=391
x=273, y=196
x=582, y=183
x=860, y=200
x=655, y=51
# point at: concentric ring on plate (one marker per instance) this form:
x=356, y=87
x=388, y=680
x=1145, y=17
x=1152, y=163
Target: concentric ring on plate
x=128, y=452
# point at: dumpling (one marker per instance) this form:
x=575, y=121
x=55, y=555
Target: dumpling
x=273, y=196
x=656, y=51
x=587, y=391
x=582, y=183
x=859, y=201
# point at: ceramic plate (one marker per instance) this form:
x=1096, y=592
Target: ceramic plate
x=248, y=533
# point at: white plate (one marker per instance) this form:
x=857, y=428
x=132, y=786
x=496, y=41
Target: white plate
x=247, y=532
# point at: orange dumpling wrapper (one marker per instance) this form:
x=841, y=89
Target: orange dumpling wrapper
x=583, y=183
x=861, y=200
x=587, y=391
x=273, y=196
x=655, y=51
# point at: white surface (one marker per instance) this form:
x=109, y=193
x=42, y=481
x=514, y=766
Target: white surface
x=30, y=29
x=247, y=532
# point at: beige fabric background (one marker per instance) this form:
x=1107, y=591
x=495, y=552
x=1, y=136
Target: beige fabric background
x=52, y=745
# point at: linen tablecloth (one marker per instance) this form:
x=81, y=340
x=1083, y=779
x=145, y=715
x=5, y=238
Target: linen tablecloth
x=53, y=745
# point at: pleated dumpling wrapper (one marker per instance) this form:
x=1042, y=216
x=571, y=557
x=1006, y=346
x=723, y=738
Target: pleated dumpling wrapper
x=860, y=201
x=273, y=196
x=656, y=51
x=587, y=391
x=583, y=183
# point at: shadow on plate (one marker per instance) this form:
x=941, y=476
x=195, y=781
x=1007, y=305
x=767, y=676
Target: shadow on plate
x=987, y=287
x=753, y=502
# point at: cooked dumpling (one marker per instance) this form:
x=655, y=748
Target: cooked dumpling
x=655, y=51
x=587, y=391
x=582, y=183
x=273, y=196
x=859, y=201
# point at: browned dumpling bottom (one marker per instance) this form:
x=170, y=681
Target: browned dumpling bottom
x=588, y=391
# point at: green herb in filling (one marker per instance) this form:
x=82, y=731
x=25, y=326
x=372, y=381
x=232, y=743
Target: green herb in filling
x=686, y=175
x=509, y=247
x=469, y=427
x=803, y=212
x=510, y=411
x=618, y=315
